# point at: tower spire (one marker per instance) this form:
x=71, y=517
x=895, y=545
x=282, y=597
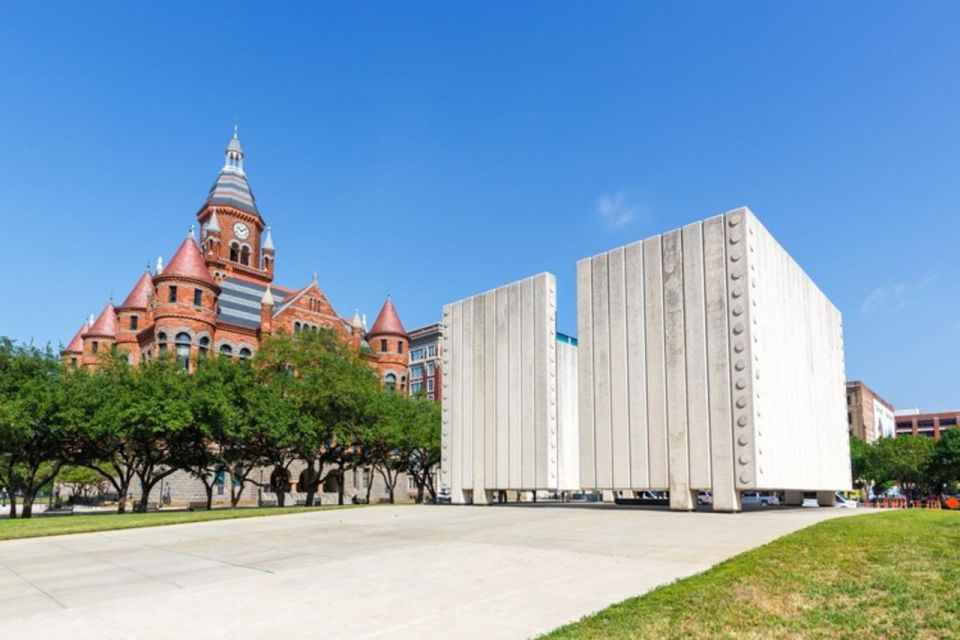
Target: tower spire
x=234, y=154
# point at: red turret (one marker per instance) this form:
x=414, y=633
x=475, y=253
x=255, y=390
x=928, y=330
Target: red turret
x=100, y=338
x=390, y=343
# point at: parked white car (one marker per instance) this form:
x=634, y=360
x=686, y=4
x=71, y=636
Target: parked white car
x=757, y=498
x=843, y=502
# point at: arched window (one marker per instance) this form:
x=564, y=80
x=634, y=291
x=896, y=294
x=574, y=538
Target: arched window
x=245, y=353
x=161, y=342
x=245, y=255
x=204, y=345
x=296, y=328
x=390, y=382
x=225, y=350
x=234, y=252
x=183, y=350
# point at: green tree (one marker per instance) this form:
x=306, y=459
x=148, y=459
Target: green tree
x=34, y=434
x=904, y=460
x=424, y=440
x=82, y=482
x=214, y=443
x=945, y=461
x=330, y=389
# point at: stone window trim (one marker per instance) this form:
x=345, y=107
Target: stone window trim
x=171, y=334
x=235, y=347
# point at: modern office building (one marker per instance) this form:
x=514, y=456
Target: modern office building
x=426, y=353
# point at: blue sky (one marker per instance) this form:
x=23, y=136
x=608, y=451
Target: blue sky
x=434, y=150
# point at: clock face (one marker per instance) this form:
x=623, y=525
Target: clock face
x=241, y=231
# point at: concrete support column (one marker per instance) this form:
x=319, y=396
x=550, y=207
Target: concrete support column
x=793, y=498
x=826, y=498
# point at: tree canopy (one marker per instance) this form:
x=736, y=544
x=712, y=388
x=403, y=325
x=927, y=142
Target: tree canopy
x=306, y=397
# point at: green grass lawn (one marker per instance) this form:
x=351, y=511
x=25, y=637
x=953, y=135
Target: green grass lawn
x=888, y=575
x=59, y=525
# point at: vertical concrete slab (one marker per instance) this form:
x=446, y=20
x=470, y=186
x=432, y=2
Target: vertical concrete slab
x=446, y=433
x=585, y=388
x=619, y=375
x=725, y=494
x=516, y=375
x=541, y=381
x=568, y=420
x=553, y=422
x=678, y=445
x=698, y=402
x=601, y=371
x=528, y=385
x=636, y=365
x=740, y=257
x=656, y=363
x=456, y=403
x=479, y=401
x=490, y=389
x=503, y=389
x=466, y=392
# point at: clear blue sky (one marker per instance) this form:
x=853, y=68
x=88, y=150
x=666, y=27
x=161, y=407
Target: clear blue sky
x=436, y=150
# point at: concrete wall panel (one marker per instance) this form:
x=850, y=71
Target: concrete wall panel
x=655, y=363
x=585, y=393
x=500, y=393
x=714, y=361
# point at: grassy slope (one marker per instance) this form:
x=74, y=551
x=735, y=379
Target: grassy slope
x=54, y=526
x=889, y=575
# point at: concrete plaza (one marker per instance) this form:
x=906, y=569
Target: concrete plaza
x=509, y=571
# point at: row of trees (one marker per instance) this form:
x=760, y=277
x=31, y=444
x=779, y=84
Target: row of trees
x=307, y=398
x=917, y=464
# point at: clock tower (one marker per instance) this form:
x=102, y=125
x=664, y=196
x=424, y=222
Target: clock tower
x=233, y=237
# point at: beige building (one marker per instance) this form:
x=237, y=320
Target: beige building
x=869, y=417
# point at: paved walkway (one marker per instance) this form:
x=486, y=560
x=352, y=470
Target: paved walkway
x=409, y=572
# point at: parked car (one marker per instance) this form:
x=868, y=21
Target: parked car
x=762, y=499
x=844, y=502
x=443, y=497
x=704, y=497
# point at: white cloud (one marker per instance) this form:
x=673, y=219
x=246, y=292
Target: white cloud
x=616, y=210
x=894, y=295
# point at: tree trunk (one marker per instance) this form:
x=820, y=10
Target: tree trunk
x=340, y=477
x=369, y=485
x=122, y=492
x=13, y=505
x=27, y=510
x=209, y=490
x=236, y=492
x=145, y=497
x=311, y=483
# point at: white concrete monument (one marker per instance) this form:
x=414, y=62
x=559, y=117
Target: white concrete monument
x=708, y=360
x=500, y=425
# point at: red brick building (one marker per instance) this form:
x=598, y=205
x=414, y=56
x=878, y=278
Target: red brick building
x=218, y=295
x=911, y=422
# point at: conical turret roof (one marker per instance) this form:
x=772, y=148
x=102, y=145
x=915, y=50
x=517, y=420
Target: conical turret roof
x=140, y=294
x=388, y=321
x=188, y=263
x=76, y=345
x=106, y=324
